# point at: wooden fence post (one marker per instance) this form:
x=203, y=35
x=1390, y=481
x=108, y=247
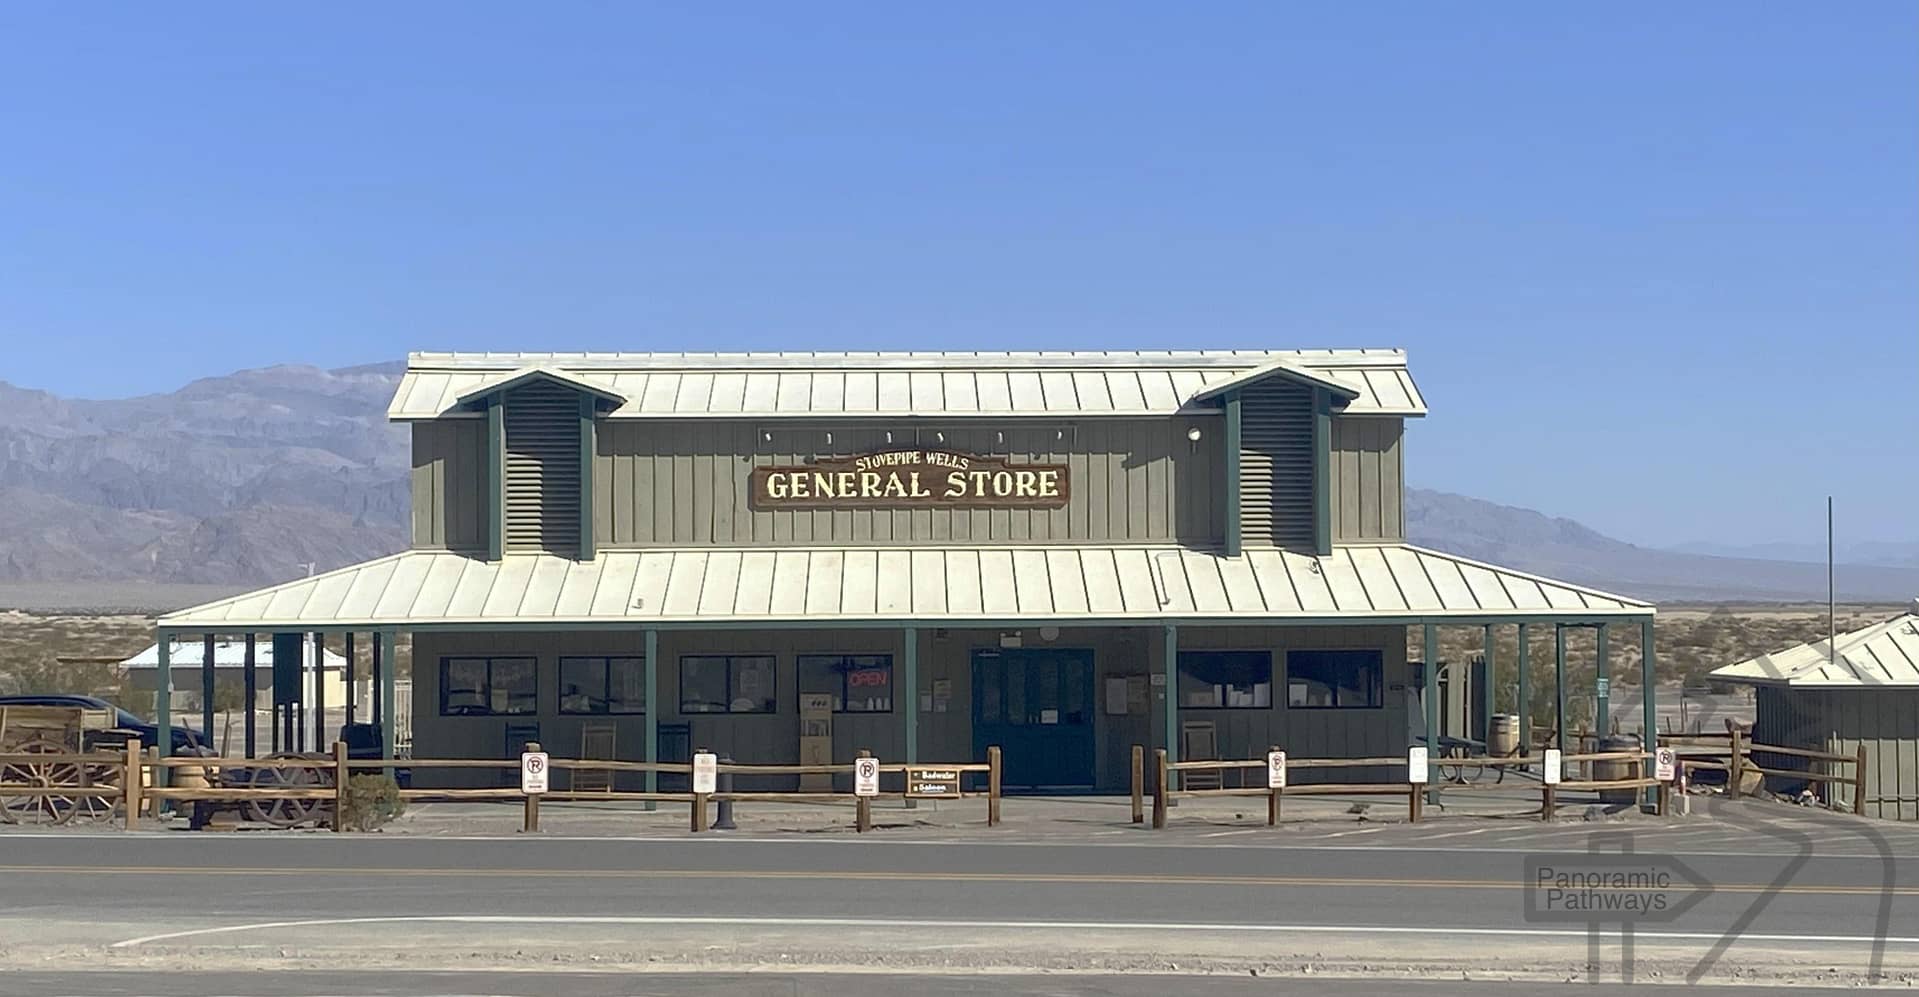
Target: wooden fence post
x=1139, y=788
x=132, y=771
x=992, y=785
x=1735, y=767
x=1414, y=798
x=1159, y=788
x=339, y=786
x=1272, y=795
x=863, y=805
x=1546, y=802
x=1859, y=782
x=531, y=821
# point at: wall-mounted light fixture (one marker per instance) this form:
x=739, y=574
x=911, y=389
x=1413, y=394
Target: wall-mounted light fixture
x=1194, y=434
x=829, y=438
x=767, y=436
x=939, y=436
x=889, y=436
x=1000, y=437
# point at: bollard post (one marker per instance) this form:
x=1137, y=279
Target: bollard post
x=1859, y=782
x=131, y=774
x=992, y=785
x=1272, y=795
x=1139, y=790
x=340, y=775
x=531, y=821
x=723, y=817
x=862, y=806
x=1735, y=767
x=1159, y=788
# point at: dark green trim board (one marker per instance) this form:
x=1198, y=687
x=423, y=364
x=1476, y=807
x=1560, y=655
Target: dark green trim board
x=1487, y=700
x=1649, y=709
x=910, y=686
x=1430, y=699
x=495, y=478
x=1322, y=472
x=1602, y=686
x=587, y=445
x=1559, y=685
x=163, y=705
x=1233, y=499
x=1525, y=710
x=390, y=664
x=1170, y=665
x=652, y=709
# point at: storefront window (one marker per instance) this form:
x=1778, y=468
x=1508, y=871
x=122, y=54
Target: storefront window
x=717, y=683
x=1334, y=680
x=602, y=685
x=478, y=687
x=858, y=683
x=1226, y=680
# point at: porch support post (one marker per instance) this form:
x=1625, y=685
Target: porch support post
x=163, y=706
x=652, y=780
x=1233, y=438
x=1649, y=711
x=910, y=685
x=1431, y=697
x=1525, y=710
x=1487, y=698
x=206, y=689
x=1171, y=668
x=352, y=687
x=252, y=684
x=1602, y=686
x=1559, y=684
x=319, y=692
x=388, y=729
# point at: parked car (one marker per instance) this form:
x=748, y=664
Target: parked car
x=184, y=739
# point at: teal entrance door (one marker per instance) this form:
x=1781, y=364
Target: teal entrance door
x=1037, y=705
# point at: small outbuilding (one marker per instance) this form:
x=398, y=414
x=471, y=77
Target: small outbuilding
x=1866, y=694
x=187, y=657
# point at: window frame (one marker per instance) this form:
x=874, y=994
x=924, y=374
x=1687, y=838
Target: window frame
x=1378, y=688
x=486, y=688
x=773, y=662
x=1221, y=703
x=886, y=659
x=606, y=685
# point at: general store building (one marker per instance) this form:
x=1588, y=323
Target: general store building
x=1064, y=554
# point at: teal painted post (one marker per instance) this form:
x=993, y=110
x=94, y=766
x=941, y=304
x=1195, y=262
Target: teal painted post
x=1431, y=697
x=163, y=707
x=1525, y=695
x=910, y=685
x=1487, y=698
x=1649, y=710
x=390, y=663
x=207, y=689
x=1171, y=668
x=587, y=446
x=495, y=479
x=1322, y=472
x=1559, y=685
x=652, y=781
x=1234, y=435
x=1602, y=686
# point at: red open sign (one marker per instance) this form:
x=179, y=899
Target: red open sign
x=867, y=678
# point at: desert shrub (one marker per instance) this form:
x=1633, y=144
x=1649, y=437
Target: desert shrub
x=372, y=800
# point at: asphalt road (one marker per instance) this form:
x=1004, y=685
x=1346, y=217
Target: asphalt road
x=361, y=904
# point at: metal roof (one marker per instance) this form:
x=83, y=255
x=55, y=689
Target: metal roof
x=734, y=385
x=927, y=585
x=226, y=654
x=1884, y=654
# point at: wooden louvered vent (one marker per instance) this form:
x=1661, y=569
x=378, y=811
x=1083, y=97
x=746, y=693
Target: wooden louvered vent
x=542, y=468
x=1276, y=466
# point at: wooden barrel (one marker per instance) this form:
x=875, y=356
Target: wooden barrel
x=1502, y=738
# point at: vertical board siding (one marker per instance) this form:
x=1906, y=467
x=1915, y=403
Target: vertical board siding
x=1367, y=481
x=542, y=469
x=685, y=483
x=1276, y=465
x=449, y=484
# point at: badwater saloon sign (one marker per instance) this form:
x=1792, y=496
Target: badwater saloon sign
x=905, y=479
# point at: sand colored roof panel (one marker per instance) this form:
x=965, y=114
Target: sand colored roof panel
x=699, y=385
x=1883, y=654
x=1047, y=583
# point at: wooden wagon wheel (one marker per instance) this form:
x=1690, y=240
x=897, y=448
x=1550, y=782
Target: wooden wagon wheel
x=99, y=775
x=284, y=812
x=39, y=809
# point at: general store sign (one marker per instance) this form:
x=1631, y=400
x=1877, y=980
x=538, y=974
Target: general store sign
x=905, y=479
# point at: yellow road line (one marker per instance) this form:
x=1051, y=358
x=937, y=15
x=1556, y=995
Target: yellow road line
x=1096, y=879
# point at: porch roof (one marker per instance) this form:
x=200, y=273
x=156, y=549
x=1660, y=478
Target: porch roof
x=1884, y=654
x=897, y=586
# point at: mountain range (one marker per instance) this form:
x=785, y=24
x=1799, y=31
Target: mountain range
x=262, y=475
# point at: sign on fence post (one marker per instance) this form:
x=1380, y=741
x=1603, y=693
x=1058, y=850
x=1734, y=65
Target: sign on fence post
x=866, y=777
x=930, y=783
x=1416, y=764
x=1665, y=764
x=1275, y=770
x=1553, y=768
x=706, y=773
x=533, y=772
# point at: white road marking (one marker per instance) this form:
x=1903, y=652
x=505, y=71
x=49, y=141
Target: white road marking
x=868, y=922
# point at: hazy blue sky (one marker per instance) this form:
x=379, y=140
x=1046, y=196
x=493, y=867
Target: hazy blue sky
x=1657, y=264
